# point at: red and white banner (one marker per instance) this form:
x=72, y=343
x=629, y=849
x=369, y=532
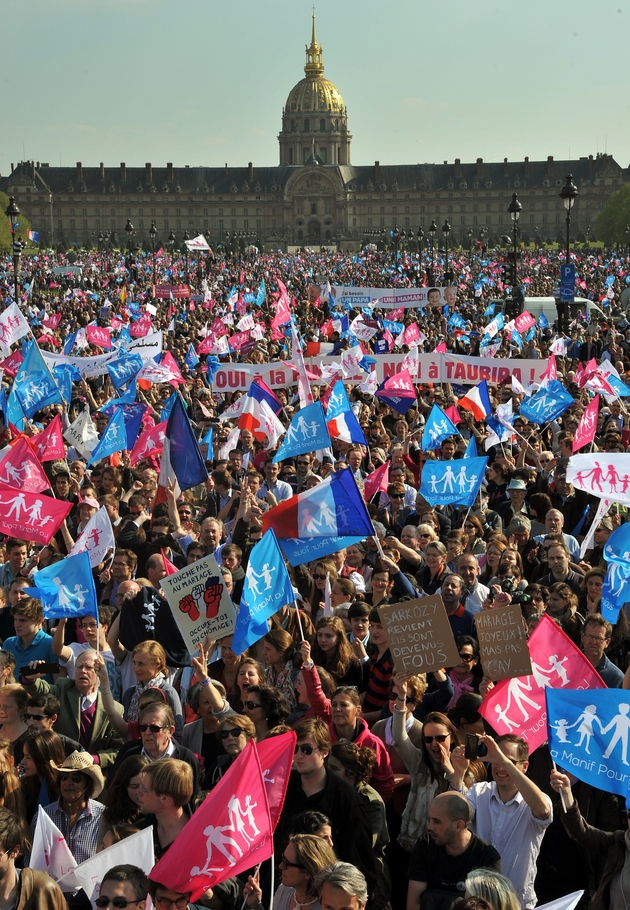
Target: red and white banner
x=52, y=322
x=519, y=705
x=151, y=442
x=48, y=445
x=230, y=832
x=523, y=322
x=13, y=326
x=31, y=516
x=604, y=474
x=20, y=468
x=142, y=327
x=587, y=426
x=98, y=336
x=276, y=759
x=97, y=538
x=166, y=291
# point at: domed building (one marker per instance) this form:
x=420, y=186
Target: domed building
x=314, y=119
x=315, y=197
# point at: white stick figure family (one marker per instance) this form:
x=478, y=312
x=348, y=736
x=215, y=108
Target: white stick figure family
x=619, y=726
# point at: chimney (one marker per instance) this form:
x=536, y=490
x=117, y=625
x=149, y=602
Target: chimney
x=590, y=162
x=250, y=172
x=458, y=167
x=479, y=167
x=79, y=171
x=148, y=173
x=32, y=170
x=377, y=170
x=227, y=172
x=123, y=172
x=549, y=164
x=505, y=167
x=527, y=164
x=102, y=172
x=170, y=177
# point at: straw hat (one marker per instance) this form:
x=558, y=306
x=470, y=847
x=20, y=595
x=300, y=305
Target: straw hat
x=83, y=762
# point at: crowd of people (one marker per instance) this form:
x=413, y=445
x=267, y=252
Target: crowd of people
x=109, y=725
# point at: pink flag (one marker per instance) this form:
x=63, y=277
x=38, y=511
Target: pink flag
x=518, y=705
x=150, y=442
x=12, y=364
x=238, y=340
x=551, y=372
x=411, y=334
x=276, y=758
x=20, y=468
x=207, y=344
x=169, y=361
x=231, y=831
x=99, y=336
x=48, y=445
x=441, y=348
x=598, y=383
x=142, y=327
x=283, y=307
x=48, y=339
x=524, y=322
x=52, y=321
x=30, y=516
x=398, y=314
x=325, y=397
x=169, y=567
x=376, y=481
x=453, y=414
x=587, y=426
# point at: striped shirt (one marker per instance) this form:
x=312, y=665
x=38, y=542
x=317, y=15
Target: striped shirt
x=380, y=674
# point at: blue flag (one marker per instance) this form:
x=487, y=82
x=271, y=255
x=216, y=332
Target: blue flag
x=114, y=438
x=267, y=588
x=489, y=310
x=516, y=339
x=124, y=338
x=456, y=322
x=446, y=482
x=64, y=375
x=260, y=299
x=69, y=343
x=14, y=413
x=543, y=322
x=133, y=414
x=306, y=433
x=471, y=448
x=181, y=449
x=616, y=588
x=618, y=387
x=66, y=588
x=124, y=368
x=589, y=732
x=437, y=428
x=34, y=385
x=547, y=404
x=192, y=358
x=208, y=440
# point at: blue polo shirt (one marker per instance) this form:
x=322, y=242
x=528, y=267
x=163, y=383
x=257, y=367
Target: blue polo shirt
x=39, y=649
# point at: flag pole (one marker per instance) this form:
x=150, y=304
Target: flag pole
x=564, y=805
x=297, y=611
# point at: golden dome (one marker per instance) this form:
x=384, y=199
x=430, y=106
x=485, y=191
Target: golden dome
x=314, y=94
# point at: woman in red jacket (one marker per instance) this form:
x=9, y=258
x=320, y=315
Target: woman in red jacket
x=342, y=713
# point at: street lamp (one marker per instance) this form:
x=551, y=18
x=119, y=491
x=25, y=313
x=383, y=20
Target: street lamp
x=432, y=230
x=185, y=238
x=13, y=213
x=446, y=230
x=627, y=231
x=470, y=240
x=153, y=235
x=171, y=243
x=129, y=233
x=568, y=195
x=514, y=208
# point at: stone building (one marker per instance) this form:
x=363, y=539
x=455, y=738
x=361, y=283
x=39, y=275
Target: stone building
x=315, y=197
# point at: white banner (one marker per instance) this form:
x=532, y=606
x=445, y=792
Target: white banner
x=392, y=298
x=137, y=847
x=602, y=474
x=431, y=368
x=148, y=347
x=200, y=603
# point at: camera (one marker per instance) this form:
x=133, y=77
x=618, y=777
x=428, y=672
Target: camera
x=509, y=587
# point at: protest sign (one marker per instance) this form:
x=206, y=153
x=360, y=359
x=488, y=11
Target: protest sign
x=502, y=643
x=419, y=635
x=200, y=603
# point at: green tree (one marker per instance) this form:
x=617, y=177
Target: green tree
x=5, y=232
x=611, y=224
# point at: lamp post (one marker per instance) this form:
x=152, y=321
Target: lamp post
x=185, y=238
x=627, y=232
x=470, y=240
x=514, y=208
x=13, y=213
x=420, y=239
x=153, y=235
x=129, y=233
x=568, y=194
x=446, y=230
x=171, y=243
x=432, y=230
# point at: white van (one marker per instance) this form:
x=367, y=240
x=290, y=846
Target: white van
x=547, y=305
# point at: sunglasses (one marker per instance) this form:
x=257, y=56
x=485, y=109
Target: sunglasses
x=285, y=862
x=426, y=535
x=318, y=577
x=467, y=657
x=440, y=738
x=74, y=778
x=28, y=716
x=234, y=732
x=166, y=903
x=119, y=902
x=305, y=749
x=153, y=728
x=397, y=496
x=408, y=701
x=250, y=705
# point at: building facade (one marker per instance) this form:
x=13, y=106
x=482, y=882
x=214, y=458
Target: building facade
x=315, y=197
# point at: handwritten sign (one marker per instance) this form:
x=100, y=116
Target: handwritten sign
x=200, y=603
x=502, y=643
x=419, y=635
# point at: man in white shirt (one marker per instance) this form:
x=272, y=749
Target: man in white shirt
x=467, y=567
x=280, y=488
x=554, y=523
x=511, y=812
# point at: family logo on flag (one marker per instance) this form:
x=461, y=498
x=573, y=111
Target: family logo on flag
x=149, y=443
x=96, y=539
x=31, y=516
x=547, y=404
x=602, y=474
x=589, y=736
x=124, y=369
x=445, y=482
x=437, y=428
x=34, y=386
x=49, y=443
x=616, y=587
x=518, y=705
x=585, y=432
x=66, y=588
x=13, y=326
x=340, y=419
x=20, y=468
x=307, y=432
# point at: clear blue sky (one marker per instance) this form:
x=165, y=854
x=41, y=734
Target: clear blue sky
x=202, y=82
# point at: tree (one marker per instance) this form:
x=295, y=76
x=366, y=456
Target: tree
x=5, y=232
x=611, y=224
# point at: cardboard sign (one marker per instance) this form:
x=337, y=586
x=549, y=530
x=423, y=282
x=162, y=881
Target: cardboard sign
x=419, y=635
x=502, y=643
x=200, y=603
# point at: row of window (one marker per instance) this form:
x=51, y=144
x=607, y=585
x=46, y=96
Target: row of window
x=544, y=219
x=165, y=212
x=164, y=224
x=306, y=126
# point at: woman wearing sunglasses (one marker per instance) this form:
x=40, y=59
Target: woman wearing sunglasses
x=463, y=675
x=233, y=734
x=303, y=858
x=342, y=714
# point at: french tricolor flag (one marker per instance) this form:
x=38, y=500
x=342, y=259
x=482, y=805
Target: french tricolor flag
x=477, y=401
